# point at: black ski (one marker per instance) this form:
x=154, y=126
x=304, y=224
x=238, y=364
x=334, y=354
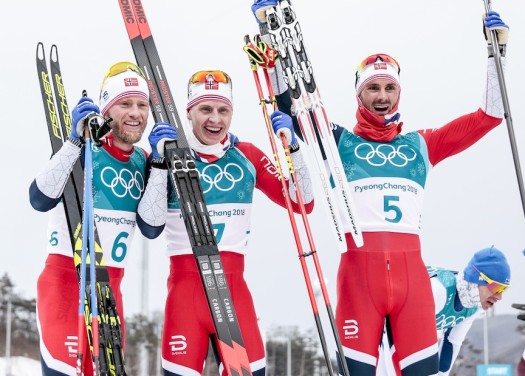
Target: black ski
x=111, y=361
x=185, y=177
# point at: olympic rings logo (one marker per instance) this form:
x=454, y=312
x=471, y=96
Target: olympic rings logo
x=123, y=182
x=224, y=180
x=384, y=153
x=444, y=322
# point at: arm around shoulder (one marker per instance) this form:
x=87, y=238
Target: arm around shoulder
x=153, y=206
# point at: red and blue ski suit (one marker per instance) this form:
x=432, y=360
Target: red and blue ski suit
x=228, y=185
x=118, y=185
x=387, y=278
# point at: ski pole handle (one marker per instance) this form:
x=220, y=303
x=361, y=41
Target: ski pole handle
x=95, y=126
x=493, y=37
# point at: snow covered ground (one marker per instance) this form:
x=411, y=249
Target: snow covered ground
x=20, y=366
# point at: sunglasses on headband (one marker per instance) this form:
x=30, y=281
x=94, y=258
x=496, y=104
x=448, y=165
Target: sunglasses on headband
x=495, y=287
x=209, y=76
x=122, y=67
x=378, y=58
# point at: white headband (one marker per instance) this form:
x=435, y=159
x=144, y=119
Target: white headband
x=122, y=85
x=209, y=91
x=376, y=71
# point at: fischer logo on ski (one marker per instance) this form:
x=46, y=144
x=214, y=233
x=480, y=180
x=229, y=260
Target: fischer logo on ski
x=109, y=332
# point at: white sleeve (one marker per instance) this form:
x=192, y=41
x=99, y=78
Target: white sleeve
x=153, y=206
x=302, y=178
x=52, y=179
x=492, y=103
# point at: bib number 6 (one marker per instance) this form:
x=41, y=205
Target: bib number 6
x=119, y=250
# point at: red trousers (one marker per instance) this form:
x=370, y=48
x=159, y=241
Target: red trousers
x=57, y=311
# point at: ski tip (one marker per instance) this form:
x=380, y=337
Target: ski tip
x=40, y=51
x=53, y=54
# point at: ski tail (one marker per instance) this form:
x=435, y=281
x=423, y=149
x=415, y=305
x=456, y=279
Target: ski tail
x=287, y=39
x=185, y=177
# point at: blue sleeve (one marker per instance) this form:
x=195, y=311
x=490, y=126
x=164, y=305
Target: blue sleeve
x=150, y=232
x=39, y=201
x=284, y=103
x=446, y=354
x=337, y=131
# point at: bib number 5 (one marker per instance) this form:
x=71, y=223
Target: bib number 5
x=392, y=209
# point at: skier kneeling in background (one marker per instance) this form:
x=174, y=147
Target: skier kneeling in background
x=460, y=298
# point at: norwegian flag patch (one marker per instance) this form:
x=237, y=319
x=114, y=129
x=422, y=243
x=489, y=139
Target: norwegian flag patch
x=131, y=81
x=211, y=85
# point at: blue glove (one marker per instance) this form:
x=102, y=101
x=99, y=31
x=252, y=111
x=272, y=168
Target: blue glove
x=494, y=22
x=82, y=110
x=259, y=9
x=282, y=124
x=161, y=133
